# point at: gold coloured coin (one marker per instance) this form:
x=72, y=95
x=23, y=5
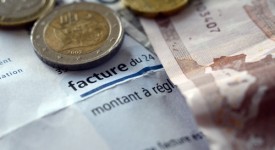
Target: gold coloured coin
x=19, y=12
x=77, y=36
x=151, y=8
x=75, y=30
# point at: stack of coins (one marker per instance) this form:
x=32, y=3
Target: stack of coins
x=80, y=35
x=73, y=37
x=154, y=8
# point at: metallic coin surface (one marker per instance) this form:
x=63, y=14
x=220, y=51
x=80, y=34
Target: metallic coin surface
x=77, y=36
x=19, y=12
x=151, y=8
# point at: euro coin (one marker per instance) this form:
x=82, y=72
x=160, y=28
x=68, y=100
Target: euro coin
x=77, y=36
x=20, y=12
x=152, y=8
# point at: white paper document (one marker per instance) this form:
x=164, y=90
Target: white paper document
x=125, y=103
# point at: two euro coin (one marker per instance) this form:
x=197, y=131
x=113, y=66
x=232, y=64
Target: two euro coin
x=19, y=12
x=77, y=36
